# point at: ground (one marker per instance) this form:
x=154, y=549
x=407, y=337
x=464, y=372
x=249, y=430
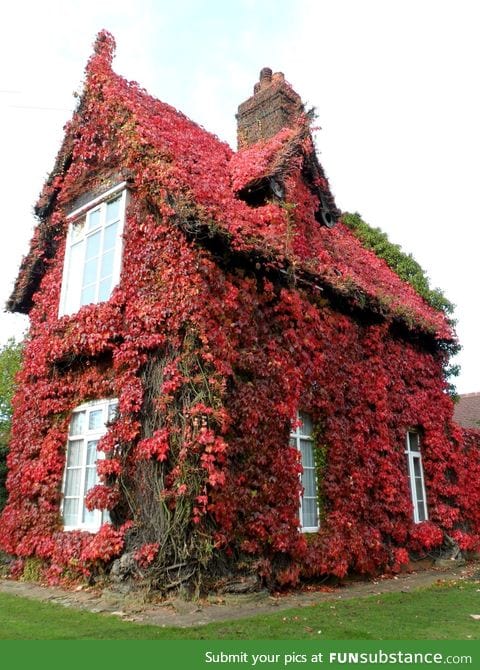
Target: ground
x=177, y=612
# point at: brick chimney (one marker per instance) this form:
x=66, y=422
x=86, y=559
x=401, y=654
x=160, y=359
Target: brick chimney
x=273, y=106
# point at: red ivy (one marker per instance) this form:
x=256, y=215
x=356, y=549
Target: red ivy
x=271, y=351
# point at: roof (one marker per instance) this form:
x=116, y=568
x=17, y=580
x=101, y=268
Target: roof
x=190, y=175
x=467, y=410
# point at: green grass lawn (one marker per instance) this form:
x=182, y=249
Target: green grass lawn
x=439, y=612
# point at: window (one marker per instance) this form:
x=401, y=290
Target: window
x=415, y=476
x=94, y=251
x=87, y=425
x=302, y=439
x=261, y=191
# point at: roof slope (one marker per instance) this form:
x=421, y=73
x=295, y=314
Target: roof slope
x=467, y=410
x=191, y=176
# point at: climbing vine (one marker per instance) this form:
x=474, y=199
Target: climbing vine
x=227, y=320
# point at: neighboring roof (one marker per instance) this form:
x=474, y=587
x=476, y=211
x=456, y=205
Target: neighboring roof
x=467, y=410
x=196, y=176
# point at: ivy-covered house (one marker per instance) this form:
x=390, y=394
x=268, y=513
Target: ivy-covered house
x=220, y=376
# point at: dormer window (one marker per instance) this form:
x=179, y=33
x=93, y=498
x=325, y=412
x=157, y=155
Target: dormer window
x=324, y=216
x=93, y=252
x=262, y=191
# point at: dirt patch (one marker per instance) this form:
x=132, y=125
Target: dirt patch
x=135, y=606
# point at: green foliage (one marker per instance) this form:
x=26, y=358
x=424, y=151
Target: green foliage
x=321, y=459
x=10, y=359
x=32, y=570
x=405, y=266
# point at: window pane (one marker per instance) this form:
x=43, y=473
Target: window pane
x=414, y=441
x=95, y=419
x=90, y=272
x=78, y=230
x=309, y=513
x=76, y=254
x=419, y=488
x=93, y=245
x=73, y=278
x=90, y=477
x=72, y=482
x=106, y=268
x=74, y=453
x=422, y=512
x=88, y=295
x=308, y=482
x=113, y=209
x=94, y=219
x=417, y=470
x=112, y=411
x=307, y=426
x=306, y=448
x=92, y=453
x=88, y=517
x=110, y=239
x=77, y=423
x=105, y=289
x=70, y=512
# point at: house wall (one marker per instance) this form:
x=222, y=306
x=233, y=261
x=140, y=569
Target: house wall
x=209, y=365
x=211, y=342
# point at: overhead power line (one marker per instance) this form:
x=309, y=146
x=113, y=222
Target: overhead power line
x=54, y=109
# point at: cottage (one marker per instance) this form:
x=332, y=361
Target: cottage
x=219, y=376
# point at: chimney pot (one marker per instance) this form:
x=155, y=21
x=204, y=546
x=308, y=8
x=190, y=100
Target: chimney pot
x=265, y=80
x=266, y=73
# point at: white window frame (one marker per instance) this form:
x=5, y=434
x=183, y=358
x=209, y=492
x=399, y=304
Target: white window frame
x=296, y=436
x=99, y=516
x=76, y=235
x=412, y=457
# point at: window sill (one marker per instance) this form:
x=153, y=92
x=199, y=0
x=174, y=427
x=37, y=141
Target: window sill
x=83, y=529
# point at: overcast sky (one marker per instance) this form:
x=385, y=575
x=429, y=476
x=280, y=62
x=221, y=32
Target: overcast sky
x=395, y=85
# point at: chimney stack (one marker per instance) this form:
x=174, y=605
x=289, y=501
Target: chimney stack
x=274, y=105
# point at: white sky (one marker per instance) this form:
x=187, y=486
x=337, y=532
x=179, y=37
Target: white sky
x=394, y=84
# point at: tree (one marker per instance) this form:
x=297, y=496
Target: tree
x=10, y=359
x=410, y=271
